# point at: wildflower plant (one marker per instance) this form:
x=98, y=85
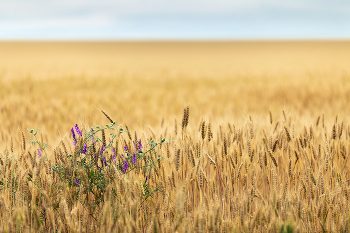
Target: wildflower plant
x=42, y=145
x=87, y=174
x=94, y=165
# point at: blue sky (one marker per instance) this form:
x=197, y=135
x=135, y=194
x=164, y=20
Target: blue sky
x=174, y=19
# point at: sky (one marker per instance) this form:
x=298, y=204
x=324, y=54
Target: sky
x=174, y=19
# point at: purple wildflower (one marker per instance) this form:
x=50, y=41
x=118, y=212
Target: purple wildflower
x=92, y=132
x=39, y=153
x=134, y=158
x=140, y=145
x=78, y=130
x=126, y=150
x=146, y=179
x=74, y=139
x=125, y=167
x=76, y=181
x=103, y=149
x=84, y=149
x=114, y=158
x=104, y=161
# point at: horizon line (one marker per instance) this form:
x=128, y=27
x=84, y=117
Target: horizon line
x=181, y=40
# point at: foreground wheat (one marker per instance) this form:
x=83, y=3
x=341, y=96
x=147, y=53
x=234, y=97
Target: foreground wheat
x=278, y=178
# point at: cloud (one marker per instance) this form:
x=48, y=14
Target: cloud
x=69, y=23
x=41, y=8
x=142, y=18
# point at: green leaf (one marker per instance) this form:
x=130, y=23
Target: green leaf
x=36, y=132
x=289, y=228
x=151, y=202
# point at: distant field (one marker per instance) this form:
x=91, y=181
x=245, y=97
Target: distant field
x=53, y=85
x=235, y=86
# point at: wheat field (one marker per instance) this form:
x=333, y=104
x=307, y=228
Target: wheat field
x=236, y=136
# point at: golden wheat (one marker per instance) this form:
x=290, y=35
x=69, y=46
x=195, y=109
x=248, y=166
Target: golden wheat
x=222, y=183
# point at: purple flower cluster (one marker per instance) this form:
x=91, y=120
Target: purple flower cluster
x=134, y=158
x=138, y=146
x=76, y=127
x=92, y=132
x=126, y=150
x=125, y=166
x=73, y=133
x=76, y=181
x=103, y=149
x=78, y=130
x=74, y=138
x=39, y=153
x=114, y=158
x=104, y=161
x=84, y=151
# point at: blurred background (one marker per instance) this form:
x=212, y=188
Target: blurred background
x=143, y=61
x=174, y=19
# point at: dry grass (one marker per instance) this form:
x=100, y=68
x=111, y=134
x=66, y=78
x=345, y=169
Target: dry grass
x=260, y=171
